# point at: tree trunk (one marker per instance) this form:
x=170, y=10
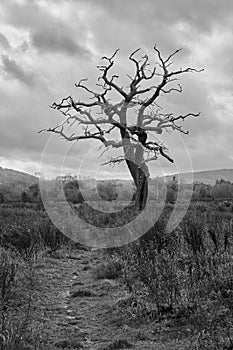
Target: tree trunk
x=141, y=175
x=141, y=190
x=134, y=157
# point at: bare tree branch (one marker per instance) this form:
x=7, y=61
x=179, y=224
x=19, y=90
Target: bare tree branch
x=97, y=117
x=166, y=78
x=115, y=161
x=105, y=69
x=59, y=129
x=171, y=55
x=179, y=89
x=183, y=117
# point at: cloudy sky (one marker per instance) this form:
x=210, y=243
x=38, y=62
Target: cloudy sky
x=48, y=45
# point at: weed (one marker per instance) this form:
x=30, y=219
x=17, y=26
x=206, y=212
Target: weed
x=17, y=283
x=82, y=293
x=110, y=270
x=119, y=344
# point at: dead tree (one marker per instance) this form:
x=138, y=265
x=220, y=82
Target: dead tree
x=100, y=116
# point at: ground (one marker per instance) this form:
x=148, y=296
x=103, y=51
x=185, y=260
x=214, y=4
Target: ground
x=78, y=311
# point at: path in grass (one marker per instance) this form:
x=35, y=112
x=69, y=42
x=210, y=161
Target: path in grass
x=80, y=312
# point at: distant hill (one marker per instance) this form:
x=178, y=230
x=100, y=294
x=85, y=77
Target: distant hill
x=13, y=183
x=206, y=176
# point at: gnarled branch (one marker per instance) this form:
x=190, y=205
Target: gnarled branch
x=105, y=115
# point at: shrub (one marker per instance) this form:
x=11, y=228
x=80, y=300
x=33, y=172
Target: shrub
x=221, y=207
x=34, y=191
x=72, y=192
x=119, y=344
x=1, y=198
x=20, y=238
x=107, y=191
x=110, y=270
x=24, y=197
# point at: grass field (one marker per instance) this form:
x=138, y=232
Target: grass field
x=166, y=290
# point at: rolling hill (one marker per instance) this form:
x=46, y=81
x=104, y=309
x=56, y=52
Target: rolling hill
x=13, y=183
x=206, y=176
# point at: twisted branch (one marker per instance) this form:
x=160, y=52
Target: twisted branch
x=101, y=112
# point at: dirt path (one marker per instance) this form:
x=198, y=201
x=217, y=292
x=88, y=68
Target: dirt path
x=78, y=311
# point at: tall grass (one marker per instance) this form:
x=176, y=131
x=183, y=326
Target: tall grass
x=25, y=233
x=28, y=230
x=17, y=285
x=185, y=273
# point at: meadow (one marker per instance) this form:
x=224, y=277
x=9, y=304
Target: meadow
x=172, y=289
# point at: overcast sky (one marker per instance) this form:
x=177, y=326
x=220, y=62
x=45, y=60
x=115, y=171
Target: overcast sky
x=46, y=46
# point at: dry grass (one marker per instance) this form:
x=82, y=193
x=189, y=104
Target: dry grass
x=169, y=288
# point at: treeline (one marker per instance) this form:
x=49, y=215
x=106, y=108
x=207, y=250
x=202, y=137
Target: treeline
x=30, y=194
x=220, y=190
x=77, y=191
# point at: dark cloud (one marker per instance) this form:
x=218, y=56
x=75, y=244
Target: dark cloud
x=56, y=39
x=170, y=24
x=12, y=68
x=201, y=15
x=4, y=42
x=49, y=34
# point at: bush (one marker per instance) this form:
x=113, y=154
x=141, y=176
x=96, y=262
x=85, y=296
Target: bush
x=72, y=192
x=119, y=344
x=24, y=197
x=107, y=191
x=171, y=196
x=21, y=239
x=1, y=198
x=110, y=270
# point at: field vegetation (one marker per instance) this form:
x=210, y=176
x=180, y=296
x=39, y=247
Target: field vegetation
x=171, y=288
